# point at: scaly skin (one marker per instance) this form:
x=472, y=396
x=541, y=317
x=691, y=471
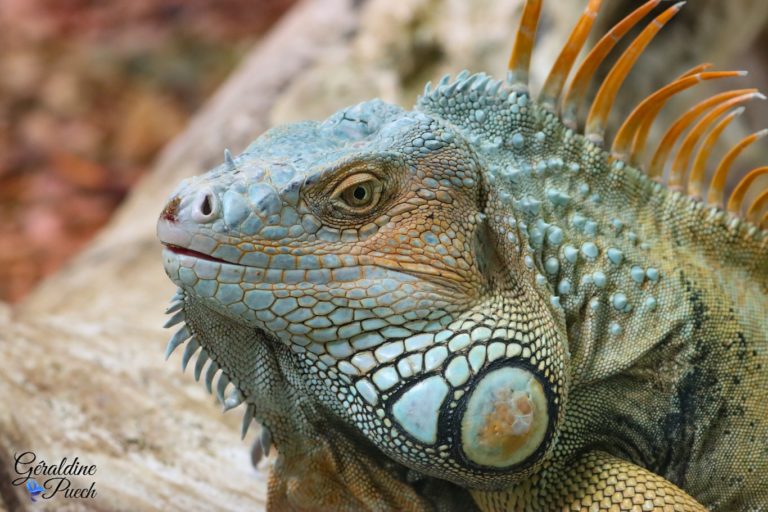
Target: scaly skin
x=468, y=301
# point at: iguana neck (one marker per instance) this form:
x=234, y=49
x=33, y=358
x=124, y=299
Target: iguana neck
x=605, y=244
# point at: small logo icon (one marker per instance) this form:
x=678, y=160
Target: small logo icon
x=34, y=489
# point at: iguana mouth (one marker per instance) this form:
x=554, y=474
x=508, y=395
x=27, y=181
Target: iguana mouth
x=195, y=254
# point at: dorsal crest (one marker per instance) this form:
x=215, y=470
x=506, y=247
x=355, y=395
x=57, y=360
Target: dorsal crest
x=684, y=148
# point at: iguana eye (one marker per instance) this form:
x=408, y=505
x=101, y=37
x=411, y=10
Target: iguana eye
x=359, y=192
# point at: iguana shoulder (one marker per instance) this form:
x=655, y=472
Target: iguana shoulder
x=645, y=278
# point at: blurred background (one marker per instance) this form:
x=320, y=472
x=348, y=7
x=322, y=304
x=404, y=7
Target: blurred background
x=90, y=91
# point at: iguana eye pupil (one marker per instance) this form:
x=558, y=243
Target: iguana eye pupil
x=360, y=193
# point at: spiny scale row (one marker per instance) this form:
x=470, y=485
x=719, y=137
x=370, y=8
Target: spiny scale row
x=235, y=398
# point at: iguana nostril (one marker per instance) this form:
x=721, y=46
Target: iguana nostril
x=206, y=206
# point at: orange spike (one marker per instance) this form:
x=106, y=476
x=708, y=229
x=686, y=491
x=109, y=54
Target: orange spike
x=656, y=169
x=674, y=131
x=698, y=178
x=683, y=157
x=758, y=205
x=606, y=95
x=641, y=134
x=653, y=103
x=716, y=186
x=695, y=70
x=737, y=196
x=764, y=222
x=520, y=59
x=586, y=71
x=641, y=137
x=553, y=86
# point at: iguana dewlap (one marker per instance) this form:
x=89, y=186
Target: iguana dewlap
x=475, y=304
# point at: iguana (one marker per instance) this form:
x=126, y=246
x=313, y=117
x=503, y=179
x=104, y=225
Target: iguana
x=477, y=304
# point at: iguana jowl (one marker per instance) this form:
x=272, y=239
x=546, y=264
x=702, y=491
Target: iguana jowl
x=471, y=304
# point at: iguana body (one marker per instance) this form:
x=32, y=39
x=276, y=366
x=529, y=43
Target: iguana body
x=469, y=304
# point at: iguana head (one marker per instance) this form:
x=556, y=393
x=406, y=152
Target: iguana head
x=375, y=206
x=363, y=244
